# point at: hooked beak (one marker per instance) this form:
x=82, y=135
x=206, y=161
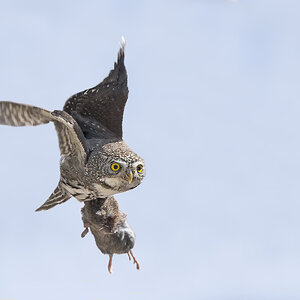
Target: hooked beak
x=130, y=177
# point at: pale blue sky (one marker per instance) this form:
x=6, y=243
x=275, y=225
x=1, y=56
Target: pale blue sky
x=214, y=110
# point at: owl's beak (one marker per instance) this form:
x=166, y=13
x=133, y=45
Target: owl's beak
x=130, y=177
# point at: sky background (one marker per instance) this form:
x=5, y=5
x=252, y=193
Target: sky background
x=213, y=109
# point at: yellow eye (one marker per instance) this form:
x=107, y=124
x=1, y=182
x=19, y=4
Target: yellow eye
x=139, y=168
x=115, y=167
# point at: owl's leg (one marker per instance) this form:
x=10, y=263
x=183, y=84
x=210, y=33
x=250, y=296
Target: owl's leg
x=85, y=232
x=110, y=263
x=134, y=259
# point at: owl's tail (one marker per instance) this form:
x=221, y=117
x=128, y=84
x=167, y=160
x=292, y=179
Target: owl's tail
x=16, y=114
x=60, y=195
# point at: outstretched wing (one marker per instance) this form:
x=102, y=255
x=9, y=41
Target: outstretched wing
x=70, y=136
x=16, y=114
x=99, y=110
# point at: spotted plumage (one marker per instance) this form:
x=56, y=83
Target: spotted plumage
x=95, y=161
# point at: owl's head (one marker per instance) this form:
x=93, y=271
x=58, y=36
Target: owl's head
x=115, y=168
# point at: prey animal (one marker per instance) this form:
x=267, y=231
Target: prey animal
x=95, y=161
x=110, y=228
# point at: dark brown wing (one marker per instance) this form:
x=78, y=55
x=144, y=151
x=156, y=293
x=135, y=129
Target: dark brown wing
x=99, y=110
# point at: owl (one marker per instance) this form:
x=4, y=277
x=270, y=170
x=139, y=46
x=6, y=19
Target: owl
x=95, y=161
x=110, y=228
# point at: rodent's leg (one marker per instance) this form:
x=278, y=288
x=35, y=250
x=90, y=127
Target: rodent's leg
x=134, y=259
x=110, y=263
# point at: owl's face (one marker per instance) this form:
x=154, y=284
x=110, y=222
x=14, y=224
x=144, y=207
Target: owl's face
x=115, y=168
x=124, y=174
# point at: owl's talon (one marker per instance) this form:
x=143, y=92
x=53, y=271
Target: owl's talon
x=110, y=264
x=134, y=260
x=85, y=232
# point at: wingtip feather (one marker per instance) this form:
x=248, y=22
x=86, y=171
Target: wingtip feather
x=122, y=49
x=123, y=42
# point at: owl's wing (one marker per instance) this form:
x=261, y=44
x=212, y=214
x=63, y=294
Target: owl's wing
x=70, y=136
x=99, y=110
x=15, y=114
